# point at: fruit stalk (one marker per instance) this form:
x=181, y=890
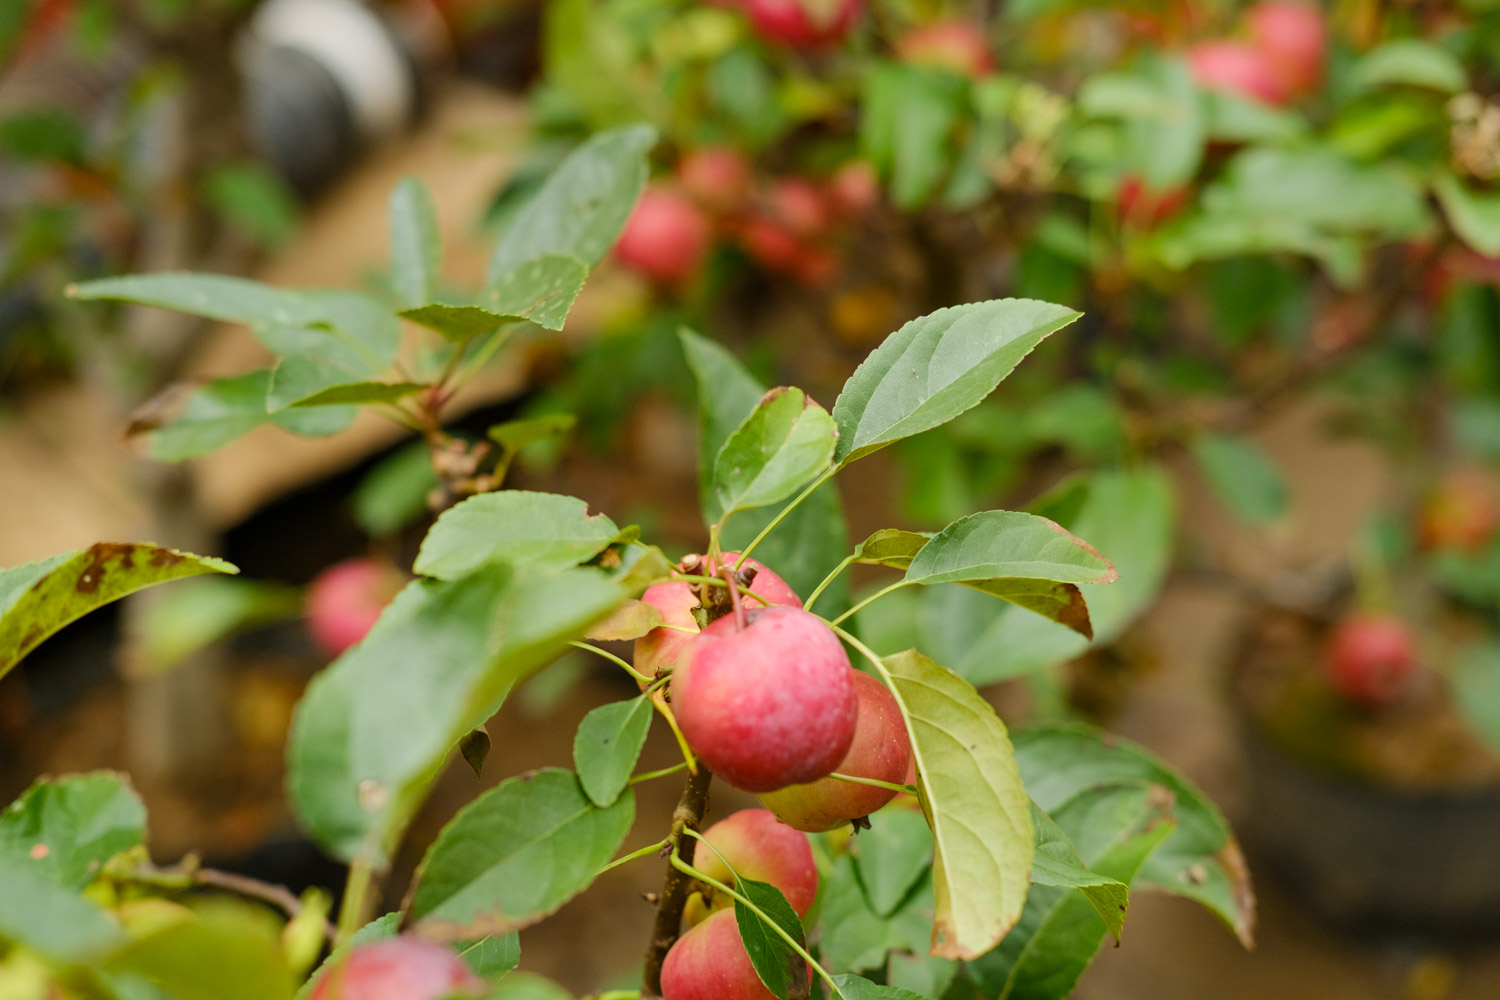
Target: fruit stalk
x=674, y=891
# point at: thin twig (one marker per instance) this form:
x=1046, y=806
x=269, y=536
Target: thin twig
x=674, y=893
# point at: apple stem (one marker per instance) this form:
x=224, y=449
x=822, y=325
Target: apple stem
x=660, y=702
x=675, y=889
x=576, y=644
x=856, y=779
x=782, y=514
x=717, y=582
x=871, y=600
x=734, y=597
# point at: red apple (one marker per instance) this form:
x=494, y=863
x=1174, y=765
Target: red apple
x=803, y=24
x=760, y=848
x=718, y=177
x=661, y=648
x=1293, y=38
x=881, y=750
x=770, y=704
x=402, y=968
x=1236, y=69
x=345, y=599
x=1370, y=659
x=800, y=206
x=709, y=962
x=1463, y=513
x=854, y=189
x=960, y=46
x=666, y=237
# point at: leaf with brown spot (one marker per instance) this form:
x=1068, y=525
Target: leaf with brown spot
x=39, y=598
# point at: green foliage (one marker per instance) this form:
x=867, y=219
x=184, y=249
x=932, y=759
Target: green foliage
x=416, y=244
x=786, y=441
x=969, y=784
x=1245, y=479
x=544, y=530
x=772, y=957
x=65, y=829
x=607, y=746
x=936, y=367
x=41, y=597
x=515, y=854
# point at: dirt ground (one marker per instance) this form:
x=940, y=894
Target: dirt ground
x=1170, y=951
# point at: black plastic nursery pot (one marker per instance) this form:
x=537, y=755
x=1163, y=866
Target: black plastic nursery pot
x=1370, y=859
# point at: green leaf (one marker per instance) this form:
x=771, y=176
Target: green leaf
x=581, y=208
x=891, y=547
x=541, y=290
x=1475, y=676
x=187, y=618
x=906, y=131
x=493, y=956
x=371, y=732
x=607, y=745
x=227, y=409
x=1162, y=117
x=44, y=134
x=54, y=921
x=1058, y=863
x=1412, y=62
x=474, y=747
x=974, y=803
x=852, y=936
x=813, y=539
x=1200, y=860
x=786, y=441
x=416, y=244
x=315, y=359
x=1022, y=558
x=458, y=323
x=520, y=527
x=240, y=300
x=855, y=988
x=66, y=828
x=359, y=393
x=727, y=395
x=394, y=493
x=513, y=435
x=41, y=597
x=892, y=856
x=1131, y=517
x=1244, y=478
x=515, y=854
x=1474, y=216
x=224, y=954
x=772, y=957
x=936, y=367
x=254, y=201
x=1117, y=828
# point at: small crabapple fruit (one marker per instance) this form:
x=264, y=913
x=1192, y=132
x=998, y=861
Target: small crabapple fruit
x=769, y=704
x=881, y=750
x=665, y=238
x=709, y=962
x=1370, y=659
x=957, y=45
x=402, y=968
x=1235, y=68
x=344, y=601
x=1293, y=38
x=803, y=24
x=661, y=648
x=758, y=847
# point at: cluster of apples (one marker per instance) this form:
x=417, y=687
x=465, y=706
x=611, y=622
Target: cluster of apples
x=709, y=961
x=1280, y=60
x=790, y=226
x=770, y=703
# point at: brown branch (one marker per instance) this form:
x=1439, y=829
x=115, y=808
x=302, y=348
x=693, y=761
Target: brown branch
x=675, y=890
x=189, y=876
